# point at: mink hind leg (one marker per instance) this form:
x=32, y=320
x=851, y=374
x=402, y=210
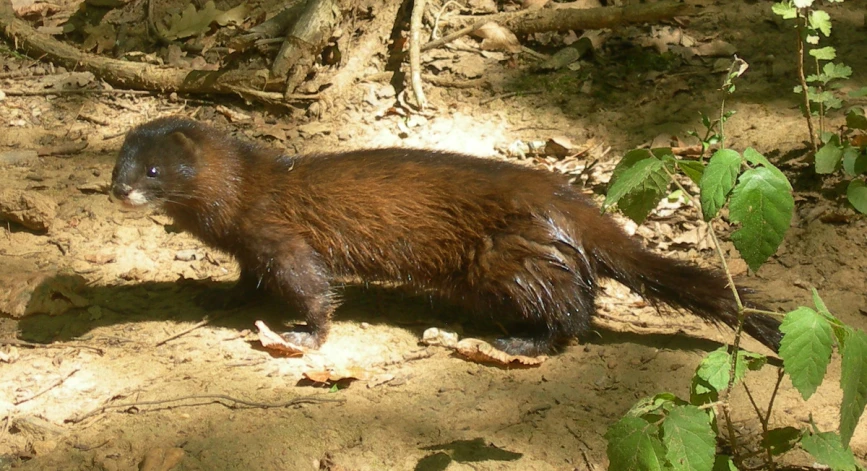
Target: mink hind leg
x=541, y=285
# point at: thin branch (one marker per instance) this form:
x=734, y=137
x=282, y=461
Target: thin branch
x=415, y=53
x=212, y=399
x=53, y=385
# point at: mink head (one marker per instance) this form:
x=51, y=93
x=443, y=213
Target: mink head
x=156, y=163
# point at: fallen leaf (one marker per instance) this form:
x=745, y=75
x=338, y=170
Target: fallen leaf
x=496, y=37
x=274, y=343
x=481, y=351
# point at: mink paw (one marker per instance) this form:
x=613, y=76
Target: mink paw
x=529, y=347
x=302, y=339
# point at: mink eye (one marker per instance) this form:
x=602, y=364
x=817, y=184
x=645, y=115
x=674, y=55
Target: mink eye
x=153, y=172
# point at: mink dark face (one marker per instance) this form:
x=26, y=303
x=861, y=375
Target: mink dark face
x=155, y=165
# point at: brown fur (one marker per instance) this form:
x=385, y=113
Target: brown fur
x=498, y=238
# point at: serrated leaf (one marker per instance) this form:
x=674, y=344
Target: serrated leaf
x=854, y=162
x=824, y=53
x=785, y=10
x=658, y=404
x=718, y=180
x=858, y=93
x=714, y=369
x=692, y=169
x=689, y=440
x=821, y=21
x=856, y=120
x=803, y=3
x=837, y=71
x=856, y=192
x=828, y=449
x=821, y=307
x=634, y=445
x=829, y=157
x=781, y=440
x=755, y=158
x=640, y=187
x=806, y=349
x=628, y=161
x=853, y=381
x=724, y=463
x=762, y=204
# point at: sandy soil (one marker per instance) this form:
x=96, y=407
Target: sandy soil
x=130, y=279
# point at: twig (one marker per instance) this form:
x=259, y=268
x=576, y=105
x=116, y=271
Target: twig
x=509, y=95
x=186, y=331
x=800, y=32
x=212, y=399
x=24, y=343
x=53, y=385
x=75, y=91
x=415, y=53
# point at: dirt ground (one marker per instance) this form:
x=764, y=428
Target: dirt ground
x=129, y=281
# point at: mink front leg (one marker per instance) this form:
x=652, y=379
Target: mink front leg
x=295, y=272
x=241, y=293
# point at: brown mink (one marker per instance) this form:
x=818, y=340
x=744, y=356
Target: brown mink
x=503, y=240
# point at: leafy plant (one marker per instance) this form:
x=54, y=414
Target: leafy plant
x=665, y=432
x=847, y=149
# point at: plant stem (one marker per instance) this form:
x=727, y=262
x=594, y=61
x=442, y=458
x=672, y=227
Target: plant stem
x=800, y=31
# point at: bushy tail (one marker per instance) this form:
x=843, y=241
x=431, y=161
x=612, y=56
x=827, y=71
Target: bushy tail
x=701, y=291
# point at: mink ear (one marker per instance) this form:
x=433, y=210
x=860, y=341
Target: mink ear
x=185, y=143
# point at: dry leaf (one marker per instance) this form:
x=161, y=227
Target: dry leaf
x=275, y=343
x=481, y=351
x=496, y=37
x=435, y=336
x=716, y=48
x=558, y=146
x=191, y=22
x=333, y=375
x=533, y=4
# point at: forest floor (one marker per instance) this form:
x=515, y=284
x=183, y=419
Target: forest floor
x=132, y=280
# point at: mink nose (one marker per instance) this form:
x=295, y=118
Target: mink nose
x=120, y=190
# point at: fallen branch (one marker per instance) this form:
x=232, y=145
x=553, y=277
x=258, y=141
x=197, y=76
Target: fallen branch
x=563, y=19
x=415, y=53
x=124, y=74
x=211, y=399
x=53, y=385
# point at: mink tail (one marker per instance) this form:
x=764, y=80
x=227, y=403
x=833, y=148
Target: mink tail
x=701, y=291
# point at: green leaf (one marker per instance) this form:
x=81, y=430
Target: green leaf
x=854, y=162
x=853, y=381
x=692, y=169
x=858, y=93
x=762, y=203
x=824, y=53
x=856, y=192
x=641, y=183
x=634, y=445
x=829, y=157
x=755, y=158
x=785, y=10
x=620, y=178
x=821, y=21
x=657, y=405
x=836, y=71
x=803, y=3
x=855, y=119
x=828, y=449
x=781, y=440
x=689, y=440
x=806, y=349
x=714, y=369
x=718, y=180
x=724, y=463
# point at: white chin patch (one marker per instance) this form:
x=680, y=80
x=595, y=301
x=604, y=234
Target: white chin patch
x=136, y=198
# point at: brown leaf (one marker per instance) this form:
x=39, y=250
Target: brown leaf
x=275, y=343
x=481, y=351
x=333, y=375
x=496, y=37
x=533, y=4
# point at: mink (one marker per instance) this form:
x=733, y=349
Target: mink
x=499, y=239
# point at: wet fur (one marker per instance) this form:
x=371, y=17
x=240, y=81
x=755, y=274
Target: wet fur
x=503, y=240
